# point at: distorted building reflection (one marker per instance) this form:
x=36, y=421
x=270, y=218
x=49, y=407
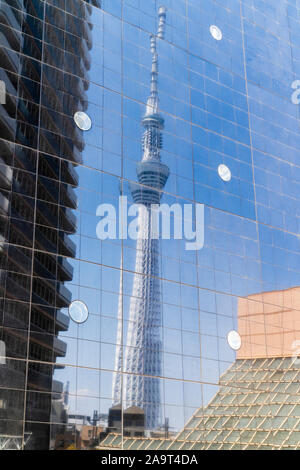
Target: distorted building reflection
x=36, y=201
x=80, y=432
x=131, y=420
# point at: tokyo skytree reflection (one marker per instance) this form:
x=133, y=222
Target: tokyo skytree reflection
x=142, y=363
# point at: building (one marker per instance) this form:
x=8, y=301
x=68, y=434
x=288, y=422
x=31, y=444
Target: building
x=37, y=202
x=187, y=341
x=80, y=432
x=131, y=420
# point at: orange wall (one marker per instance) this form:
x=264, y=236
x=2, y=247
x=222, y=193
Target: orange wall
x=269, y=324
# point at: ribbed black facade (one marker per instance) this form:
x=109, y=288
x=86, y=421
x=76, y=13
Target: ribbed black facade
x=44, y=46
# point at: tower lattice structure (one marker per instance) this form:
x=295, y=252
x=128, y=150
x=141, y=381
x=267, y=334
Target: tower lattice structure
x=141, y=363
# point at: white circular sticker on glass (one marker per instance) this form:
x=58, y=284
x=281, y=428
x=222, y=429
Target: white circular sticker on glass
x=224, y=172
x=234, y=340
x=216, y=32
x=83, y=121
x=78, y=311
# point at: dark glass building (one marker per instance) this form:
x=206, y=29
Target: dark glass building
x=149, y=224
x=37, y=203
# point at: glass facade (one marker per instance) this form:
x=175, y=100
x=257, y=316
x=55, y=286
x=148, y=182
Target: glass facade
x=149, y=224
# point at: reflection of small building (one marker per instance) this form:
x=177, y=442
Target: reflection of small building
x=81, y=431
x=80, y=436
x=89, y=436
x=67, y=440
x=133, y=421
x=79, y=420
